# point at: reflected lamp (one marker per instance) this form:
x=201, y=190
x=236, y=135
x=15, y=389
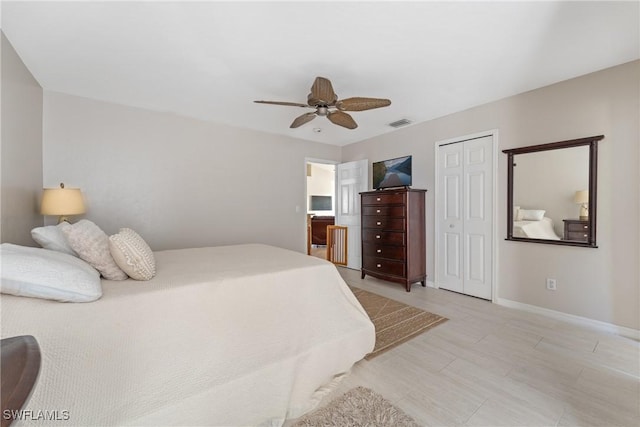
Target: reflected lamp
x=581, y=197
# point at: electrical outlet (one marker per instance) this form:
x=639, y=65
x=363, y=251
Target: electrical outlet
x=551, y=284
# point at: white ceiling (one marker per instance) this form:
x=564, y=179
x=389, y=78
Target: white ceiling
x=210, y=60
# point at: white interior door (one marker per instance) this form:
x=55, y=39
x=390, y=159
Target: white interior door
x=351, y=179
x=465, y=209
x=450, y=214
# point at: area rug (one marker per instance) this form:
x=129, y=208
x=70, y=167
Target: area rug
x=358, y=407
x=395, y=322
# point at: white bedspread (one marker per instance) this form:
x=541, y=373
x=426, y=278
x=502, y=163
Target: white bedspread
x=542, y=229
x=235, y=335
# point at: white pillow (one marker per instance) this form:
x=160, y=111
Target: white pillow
x=92, y=245
x=517, y=214
x=42, y=273
x=51, y=237
x=532, y=214
x=132, y=254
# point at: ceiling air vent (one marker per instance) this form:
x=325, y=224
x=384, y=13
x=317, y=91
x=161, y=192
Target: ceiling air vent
x=400, y=123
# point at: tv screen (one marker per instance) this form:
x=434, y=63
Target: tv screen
x=320, y=203
x=392, y=173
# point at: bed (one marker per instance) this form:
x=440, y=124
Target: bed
x=536, y=229
x=235, y=335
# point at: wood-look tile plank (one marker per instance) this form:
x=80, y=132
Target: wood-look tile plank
x=495, y=366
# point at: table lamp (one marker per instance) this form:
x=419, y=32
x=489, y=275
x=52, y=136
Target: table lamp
x=582, y=198
x=62, y=202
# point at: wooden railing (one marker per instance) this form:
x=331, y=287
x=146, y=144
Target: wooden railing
x=337, y=244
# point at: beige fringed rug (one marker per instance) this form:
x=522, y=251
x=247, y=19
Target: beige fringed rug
x=356, y=408
x=395, y=322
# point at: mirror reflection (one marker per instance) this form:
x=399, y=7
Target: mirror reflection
x=545, y=185
x=552, y=192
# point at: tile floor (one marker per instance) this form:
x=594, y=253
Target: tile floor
x=495, y=366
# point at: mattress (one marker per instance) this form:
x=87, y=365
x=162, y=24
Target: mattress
x=234, y=335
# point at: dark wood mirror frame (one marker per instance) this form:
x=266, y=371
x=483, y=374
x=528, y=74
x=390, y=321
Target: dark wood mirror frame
x=592, y=142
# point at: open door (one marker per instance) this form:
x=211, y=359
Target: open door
x=351, y=179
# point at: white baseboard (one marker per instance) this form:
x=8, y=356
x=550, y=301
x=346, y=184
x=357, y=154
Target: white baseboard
x=597, y=324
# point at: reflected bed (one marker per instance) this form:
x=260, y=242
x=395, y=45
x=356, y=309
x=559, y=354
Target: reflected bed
x=542, y=229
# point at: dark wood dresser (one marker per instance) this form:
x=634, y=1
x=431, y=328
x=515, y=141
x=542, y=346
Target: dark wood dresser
x=576, y=229
x=393, y=235
x=319, y=229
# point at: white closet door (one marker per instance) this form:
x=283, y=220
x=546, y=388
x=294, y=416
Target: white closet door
x=478, y=216
x=352, y=178
x=465, y=211
x=450, y=214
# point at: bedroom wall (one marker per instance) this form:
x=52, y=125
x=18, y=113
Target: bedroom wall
x=600, y=284
x=20, y=149
x=179, y=182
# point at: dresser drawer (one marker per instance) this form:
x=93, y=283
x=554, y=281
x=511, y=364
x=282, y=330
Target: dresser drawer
x=397, y=211
x=383, y=237
x=382, y=199
x=384, y=251
x=383, y=223
x=577, y=226
x=395, y=268
x=582, y=236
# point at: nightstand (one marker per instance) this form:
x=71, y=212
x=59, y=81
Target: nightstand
x=576, y=229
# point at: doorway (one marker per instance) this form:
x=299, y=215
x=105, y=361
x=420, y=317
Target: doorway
x=465, y=215
x=320, y=203
x=343, y=182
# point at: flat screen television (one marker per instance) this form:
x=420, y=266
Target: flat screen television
x=392, y=173
x=320, y=203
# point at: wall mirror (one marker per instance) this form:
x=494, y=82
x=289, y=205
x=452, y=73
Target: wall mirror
x=552, y=192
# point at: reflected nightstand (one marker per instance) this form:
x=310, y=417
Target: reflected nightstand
x=576, y=229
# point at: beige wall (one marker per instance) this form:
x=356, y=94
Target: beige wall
x=601, y=284
x=179, y=182
x=20, y=149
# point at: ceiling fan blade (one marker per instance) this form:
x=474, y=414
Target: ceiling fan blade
x=290, y=104
x=360, y=104
x=305, y=118
x=322, y=93
x=342, y=119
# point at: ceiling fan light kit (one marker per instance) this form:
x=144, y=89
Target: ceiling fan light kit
x=326, y=103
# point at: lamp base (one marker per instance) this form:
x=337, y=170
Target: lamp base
x=584, y=218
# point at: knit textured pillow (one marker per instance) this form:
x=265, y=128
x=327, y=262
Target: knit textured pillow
x=132, y=254
x=92, y=245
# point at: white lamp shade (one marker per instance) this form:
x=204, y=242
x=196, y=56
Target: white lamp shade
x=581, y=196
x=62, y=201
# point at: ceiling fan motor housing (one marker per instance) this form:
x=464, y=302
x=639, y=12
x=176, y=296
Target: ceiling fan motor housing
x=322, y=111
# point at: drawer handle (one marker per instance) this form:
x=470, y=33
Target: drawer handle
x=379, y=251
x=377, y=236
x=585, y=227
x=586, y=235
x=377, y=199
x=378, y=223
x=377, y=210
x=378, y=265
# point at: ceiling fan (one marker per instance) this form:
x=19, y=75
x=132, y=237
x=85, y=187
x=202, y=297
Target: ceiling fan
x=326, y=103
